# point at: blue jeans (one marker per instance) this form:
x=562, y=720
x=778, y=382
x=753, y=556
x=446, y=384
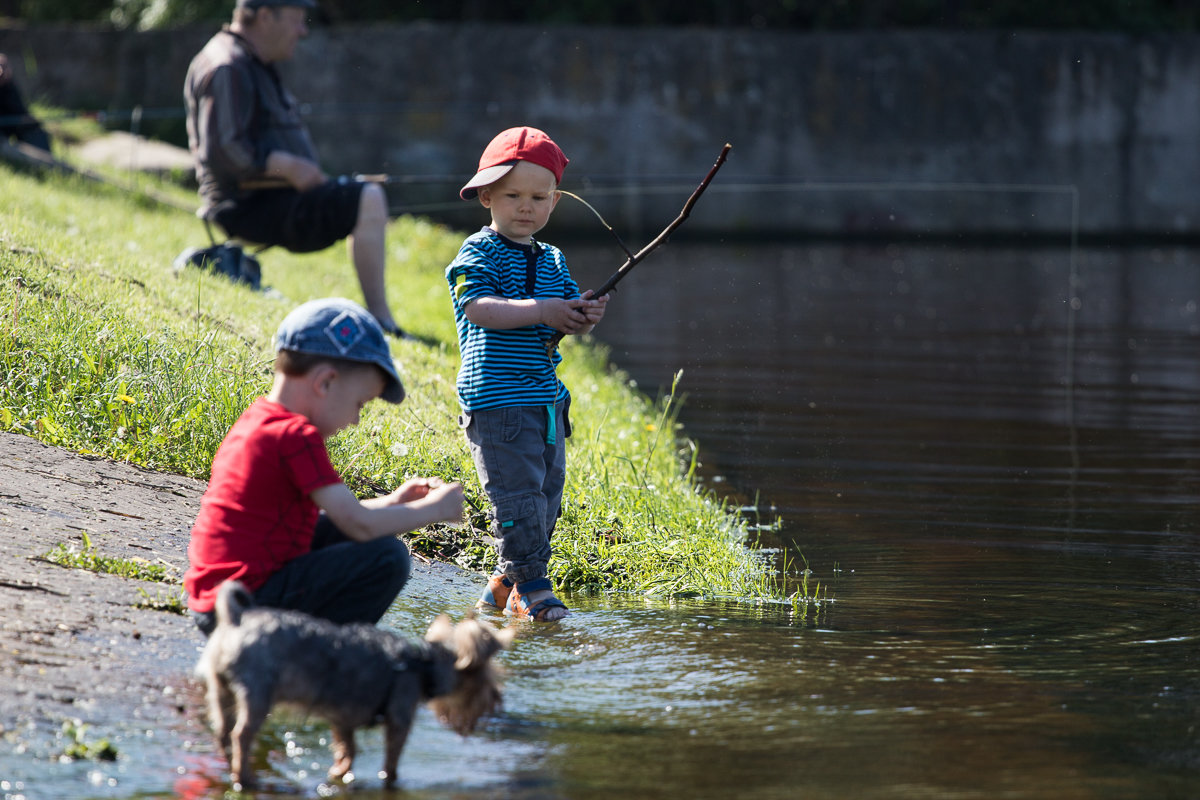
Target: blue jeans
x=521, y=457
x=339, y=579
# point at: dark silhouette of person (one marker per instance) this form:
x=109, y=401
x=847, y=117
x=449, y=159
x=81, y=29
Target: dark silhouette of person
x=15, y=120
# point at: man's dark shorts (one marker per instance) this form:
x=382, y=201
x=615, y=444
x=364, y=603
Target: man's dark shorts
x=301, y=222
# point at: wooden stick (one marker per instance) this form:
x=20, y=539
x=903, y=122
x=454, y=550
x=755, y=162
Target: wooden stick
x=637, y=257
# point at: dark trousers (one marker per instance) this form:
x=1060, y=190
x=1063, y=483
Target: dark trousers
x=340, y=580
x=15, y=119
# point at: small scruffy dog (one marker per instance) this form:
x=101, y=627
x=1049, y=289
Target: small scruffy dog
x=353, y=676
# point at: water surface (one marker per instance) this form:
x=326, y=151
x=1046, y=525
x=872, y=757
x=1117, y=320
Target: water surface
x=993, y=458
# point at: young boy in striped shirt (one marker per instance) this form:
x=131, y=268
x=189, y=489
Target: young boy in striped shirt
x=511, y=293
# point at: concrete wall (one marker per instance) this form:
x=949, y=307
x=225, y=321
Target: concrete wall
x=915, y=133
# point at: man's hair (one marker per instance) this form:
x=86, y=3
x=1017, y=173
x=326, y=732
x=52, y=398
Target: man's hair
x=245, y=17
x=294, y=363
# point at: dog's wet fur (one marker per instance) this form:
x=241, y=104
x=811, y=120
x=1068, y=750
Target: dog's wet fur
x=353, y=676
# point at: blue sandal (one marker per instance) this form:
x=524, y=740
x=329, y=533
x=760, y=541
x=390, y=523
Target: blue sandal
x=520, y=607
x=496, y=594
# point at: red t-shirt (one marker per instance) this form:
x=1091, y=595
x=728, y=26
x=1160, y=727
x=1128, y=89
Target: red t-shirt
x=257, y=514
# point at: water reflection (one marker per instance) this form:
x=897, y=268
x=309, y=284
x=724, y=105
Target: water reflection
x=995, y=455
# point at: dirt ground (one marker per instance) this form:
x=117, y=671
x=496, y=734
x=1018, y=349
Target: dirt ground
x=75, y=645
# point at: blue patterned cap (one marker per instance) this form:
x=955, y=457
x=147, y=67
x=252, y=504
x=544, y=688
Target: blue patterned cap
x=340, y=329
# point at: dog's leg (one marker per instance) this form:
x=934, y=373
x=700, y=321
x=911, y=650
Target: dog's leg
x=397, y=726
x=220, y=708
x=252, y=710
x=343, y=752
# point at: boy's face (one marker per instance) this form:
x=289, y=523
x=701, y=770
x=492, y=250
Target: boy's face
x=521, y=201
x=342, y=394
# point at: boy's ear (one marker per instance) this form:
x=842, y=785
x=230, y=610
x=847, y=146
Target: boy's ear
x=485, y=196
x=321, y=378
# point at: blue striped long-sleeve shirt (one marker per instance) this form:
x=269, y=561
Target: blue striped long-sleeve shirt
x=502, y=368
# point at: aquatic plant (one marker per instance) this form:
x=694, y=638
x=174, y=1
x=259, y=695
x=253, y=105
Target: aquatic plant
x=77, y=747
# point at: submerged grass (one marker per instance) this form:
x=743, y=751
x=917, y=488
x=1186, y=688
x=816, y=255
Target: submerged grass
x=104, y=349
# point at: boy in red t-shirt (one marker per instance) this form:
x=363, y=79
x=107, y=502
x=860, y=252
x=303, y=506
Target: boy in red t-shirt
x=276, y=515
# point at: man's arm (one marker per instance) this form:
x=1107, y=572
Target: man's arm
x=224, y=102
x=300, y=173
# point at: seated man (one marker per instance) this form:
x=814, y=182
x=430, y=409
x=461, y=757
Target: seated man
x=15, y=120
x=255, y=161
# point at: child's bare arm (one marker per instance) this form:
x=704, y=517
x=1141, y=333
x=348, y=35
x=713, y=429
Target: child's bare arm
x=389, y=515
x=569, y=316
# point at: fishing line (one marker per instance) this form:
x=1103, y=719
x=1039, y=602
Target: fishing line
x=603, y=221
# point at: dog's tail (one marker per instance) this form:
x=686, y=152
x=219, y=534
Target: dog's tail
x=232, y=599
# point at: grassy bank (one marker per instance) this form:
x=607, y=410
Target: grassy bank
x=104, y=349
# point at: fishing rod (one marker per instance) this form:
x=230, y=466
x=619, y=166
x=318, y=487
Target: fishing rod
x=636, y=258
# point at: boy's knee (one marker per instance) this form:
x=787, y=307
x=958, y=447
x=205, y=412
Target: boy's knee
x=390, y=555
x=519, y=514
x=523, y=543
x=206, y=621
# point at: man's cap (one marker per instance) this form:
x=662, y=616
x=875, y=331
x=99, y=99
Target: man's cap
x=263, y=3
x=509, y=147
x=340, y=329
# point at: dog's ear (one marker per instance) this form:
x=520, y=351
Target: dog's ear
x=441, y=631
x=505, y=636
x=477, y=642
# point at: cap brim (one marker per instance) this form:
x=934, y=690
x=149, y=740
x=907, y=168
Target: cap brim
x=485, y=177
x=393, y=389
x=393, y=392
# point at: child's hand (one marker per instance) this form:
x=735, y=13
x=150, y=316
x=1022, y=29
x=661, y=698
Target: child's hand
x=574, y=316
x=414, y=489
x=563, y=315
x=593, y=309
x=447, y=499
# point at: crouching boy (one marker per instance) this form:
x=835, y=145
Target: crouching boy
x=277, y=516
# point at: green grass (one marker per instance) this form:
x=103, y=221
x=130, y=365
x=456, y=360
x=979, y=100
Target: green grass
x=89, y=558
x=171, y=602
x=103, y=349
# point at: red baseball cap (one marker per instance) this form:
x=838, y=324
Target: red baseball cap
x=509, y=147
